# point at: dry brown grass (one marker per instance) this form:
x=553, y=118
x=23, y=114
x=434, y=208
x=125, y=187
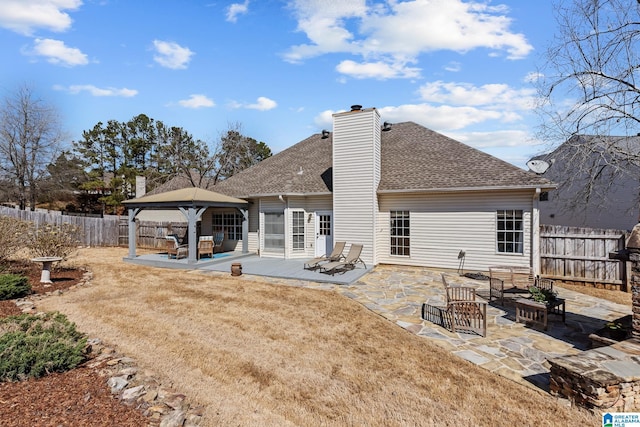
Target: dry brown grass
x=610, y=295
x=254, y=353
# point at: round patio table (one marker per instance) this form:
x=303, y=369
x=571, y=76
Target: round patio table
x=46, y=261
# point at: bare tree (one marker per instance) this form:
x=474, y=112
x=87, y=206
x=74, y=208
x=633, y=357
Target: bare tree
x=590, y=95
x=30, y=134
x=236, y=152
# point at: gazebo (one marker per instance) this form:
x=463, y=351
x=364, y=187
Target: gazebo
x=192, y=202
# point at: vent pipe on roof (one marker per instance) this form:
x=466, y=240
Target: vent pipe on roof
x=356, y=107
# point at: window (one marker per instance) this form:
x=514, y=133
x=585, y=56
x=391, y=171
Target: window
x=510, y=231
x=274, y=231
x=230, y=223
x=400, y=233
x=324, y=225
x=298, y=230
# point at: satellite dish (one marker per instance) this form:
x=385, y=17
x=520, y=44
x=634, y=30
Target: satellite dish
x=538, y=166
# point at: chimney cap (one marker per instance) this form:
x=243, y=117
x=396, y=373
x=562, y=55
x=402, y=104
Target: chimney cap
x=356, y=107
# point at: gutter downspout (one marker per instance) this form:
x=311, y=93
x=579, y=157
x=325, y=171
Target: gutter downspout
x=535, y=232
x=285, y=201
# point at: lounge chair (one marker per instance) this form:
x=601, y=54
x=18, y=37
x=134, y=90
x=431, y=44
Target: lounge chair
x=349, y=263
x=175, y=249
x=335, y=255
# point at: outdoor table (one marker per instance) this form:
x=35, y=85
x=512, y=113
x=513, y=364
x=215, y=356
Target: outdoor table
x=528, y=310
x=46, y=261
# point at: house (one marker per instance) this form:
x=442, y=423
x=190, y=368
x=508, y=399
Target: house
x=410, y=195
x=597, y=186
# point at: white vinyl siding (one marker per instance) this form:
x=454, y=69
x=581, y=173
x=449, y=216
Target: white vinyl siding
x=444, y=224
x=356, y=174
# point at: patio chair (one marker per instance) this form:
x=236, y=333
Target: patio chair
x=348, y=263
x=543, y=284
x=457, y=293
x=205, y=246
x=335, y=255
x=175, y=249
x=218, y=240
x=508, y=279
x=462, y=313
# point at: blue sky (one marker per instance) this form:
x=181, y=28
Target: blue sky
x=280, y=68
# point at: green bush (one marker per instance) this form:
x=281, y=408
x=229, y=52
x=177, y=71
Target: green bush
x=13, y=286
x=36, y=345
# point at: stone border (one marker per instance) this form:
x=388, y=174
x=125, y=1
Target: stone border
x=163, y=405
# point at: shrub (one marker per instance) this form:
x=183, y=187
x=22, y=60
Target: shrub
x=14, y=235
x=33, y=346
x=52, y=240
x=13, y=286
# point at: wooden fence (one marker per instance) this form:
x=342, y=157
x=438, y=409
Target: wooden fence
x=111, y=230
x=569, y=254
x=151, y=234
x=581, y=255
x=95, y=231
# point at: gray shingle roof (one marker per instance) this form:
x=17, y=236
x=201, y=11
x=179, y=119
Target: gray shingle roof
x=413, y=158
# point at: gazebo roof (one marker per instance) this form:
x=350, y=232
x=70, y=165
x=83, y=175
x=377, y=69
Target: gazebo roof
x=185, y=197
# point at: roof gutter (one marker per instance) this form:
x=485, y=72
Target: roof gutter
x=470, y=189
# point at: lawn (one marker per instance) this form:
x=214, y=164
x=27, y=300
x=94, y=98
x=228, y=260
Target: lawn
x=254, y=353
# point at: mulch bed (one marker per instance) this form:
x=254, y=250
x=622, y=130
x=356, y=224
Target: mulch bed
x=79, y=397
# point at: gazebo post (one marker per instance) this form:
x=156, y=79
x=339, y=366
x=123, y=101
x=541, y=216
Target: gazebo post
x=132, y=231
x=245, y=230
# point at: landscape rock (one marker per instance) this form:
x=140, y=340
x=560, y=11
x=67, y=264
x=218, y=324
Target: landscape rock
x=174, y=419
x=117, y=384
x=133, y=393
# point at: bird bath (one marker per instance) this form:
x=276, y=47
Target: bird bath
x=46, y=261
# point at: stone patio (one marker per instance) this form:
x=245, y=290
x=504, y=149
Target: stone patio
x=510, y=349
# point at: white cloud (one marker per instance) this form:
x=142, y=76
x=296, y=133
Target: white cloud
x=453, y=66
x=397, y=33
x=25, y=16
x=237, y=9
x=197, y=101
x=262, y=104
x=440, y=118
x=486, y=95
x=376, y=70
x=171, y=55
x=500, y=138
x=425, y=26
x=96, y=91
x=57, y=53
x=533, y=77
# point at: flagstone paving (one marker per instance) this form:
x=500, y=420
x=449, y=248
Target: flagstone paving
x=510, y=349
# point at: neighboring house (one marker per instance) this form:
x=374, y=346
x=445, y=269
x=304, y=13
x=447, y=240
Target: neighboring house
x=410, y=195
x=597, y=187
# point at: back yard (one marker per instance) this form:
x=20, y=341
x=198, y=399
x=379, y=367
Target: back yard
x=255, y=353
